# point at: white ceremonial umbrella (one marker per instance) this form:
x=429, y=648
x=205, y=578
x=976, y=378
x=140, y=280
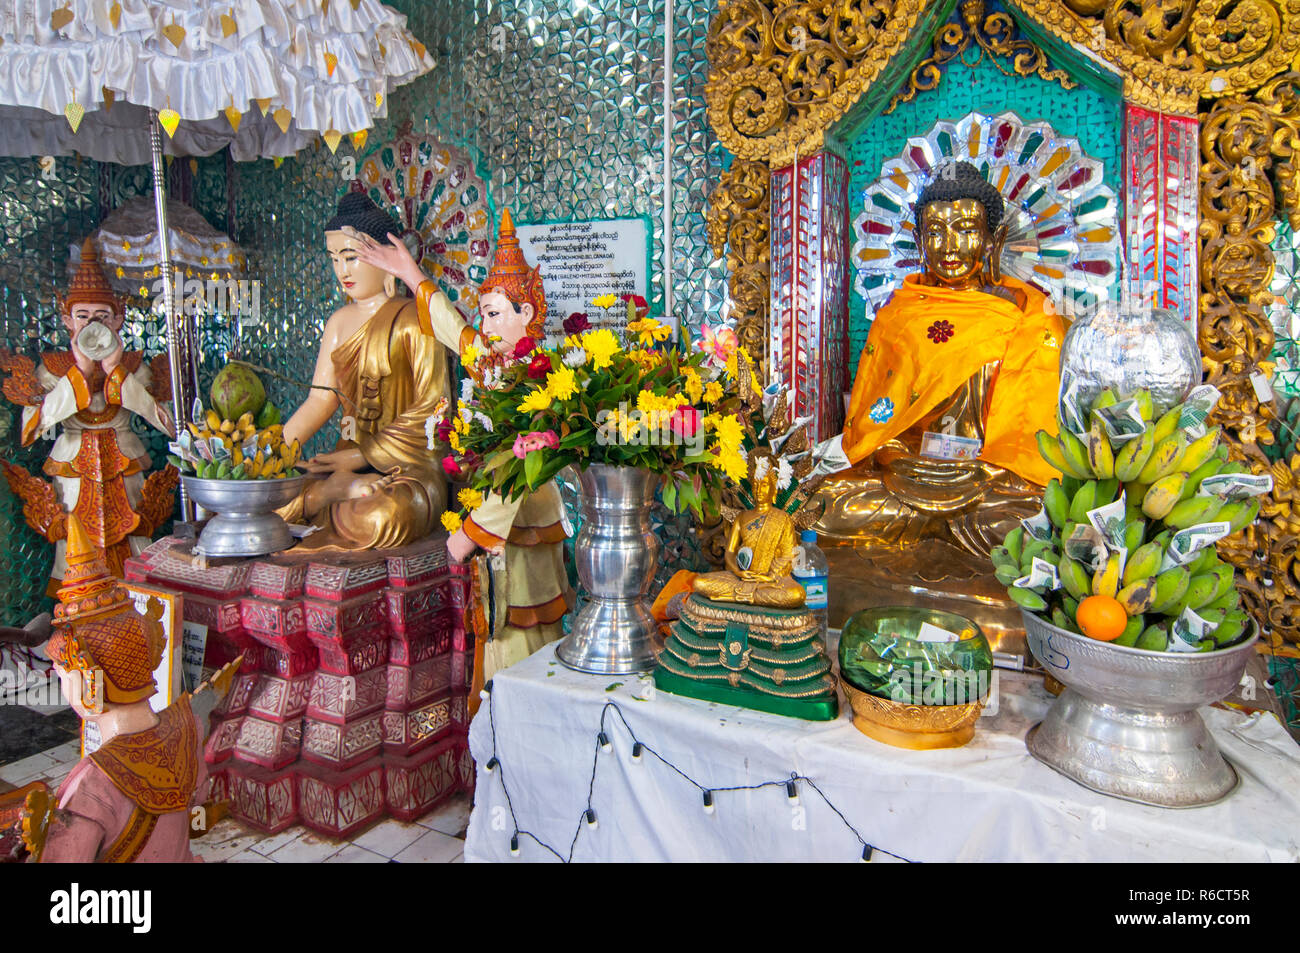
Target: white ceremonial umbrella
x=106, y=78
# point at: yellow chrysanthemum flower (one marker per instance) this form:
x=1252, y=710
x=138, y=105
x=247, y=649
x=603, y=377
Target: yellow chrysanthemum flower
x=560, y=383
x=453, y=440
x=728, y=429
x=713, y=392
x=730, y=462
x=451, y=521
x=601, y=346
x=459, y=425
x=733, y=367
x=470, y=498
x=646, y=360
x=470, y=355
x=694, y=386
x=649, y=330
x=536, y=400
x=605, y=301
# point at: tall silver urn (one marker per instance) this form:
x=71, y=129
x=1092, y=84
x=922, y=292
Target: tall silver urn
x=616, y=553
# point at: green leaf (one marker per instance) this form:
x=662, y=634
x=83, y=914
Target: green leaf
x=497, y=459
x=532, y=468
x=670, y=496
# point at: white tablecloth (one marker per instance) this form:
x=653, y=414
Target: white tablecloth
x=987, y=801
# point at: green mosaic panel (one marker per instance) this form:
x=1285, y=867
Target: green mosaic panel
x=560, y=102
x=1094, y=120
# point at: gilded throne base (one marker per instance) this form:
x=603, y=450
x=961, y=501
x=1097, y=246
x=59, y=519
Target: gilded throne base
x=929, y=552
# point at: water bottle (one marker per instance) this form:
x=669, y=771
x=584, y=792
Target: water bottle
x=812, y=571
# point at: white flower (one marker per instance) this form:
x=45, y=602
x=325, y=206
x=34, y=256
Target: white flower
x=575, y=357
x=466, y=389
x=784, y=474
x=484, y=419
x=761, y=466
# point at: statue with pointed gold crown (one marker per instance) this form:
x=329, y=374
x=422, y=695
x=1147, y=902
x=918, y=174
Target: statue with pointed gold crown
x=129, y=800
x=529, y=579
x=92, y=392
x=959, y=371
x=381, y=486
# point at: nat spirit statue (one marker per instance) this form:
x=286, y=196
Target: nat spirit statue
x=130, y=800
x=528, y=531
x=381, y=487
x=959, y=371
x=91, y=393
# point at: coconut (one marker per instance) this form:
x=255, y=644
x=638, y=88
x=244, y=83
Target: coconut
x=237, y=390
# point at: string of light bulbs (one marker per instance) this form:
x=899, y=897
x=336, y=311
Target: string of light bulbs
x=604, y=744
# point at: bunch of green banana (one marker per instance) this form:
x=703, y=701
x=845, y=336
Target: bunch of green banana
x=1014, y=559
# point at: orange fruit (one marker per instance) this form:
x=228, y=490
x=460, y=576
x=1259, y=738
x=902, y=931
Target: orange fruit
x=1101, y=618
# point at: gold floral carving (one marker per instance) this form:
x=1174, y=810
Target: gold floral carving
x=738, y=219
x=1173, y=53
x=993, y=34
x=782, y=72
x=1248, y=181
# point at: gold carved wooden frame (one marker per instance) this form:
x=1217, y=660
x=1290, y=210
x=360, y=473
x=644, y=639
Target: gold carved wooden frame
x=782, y=72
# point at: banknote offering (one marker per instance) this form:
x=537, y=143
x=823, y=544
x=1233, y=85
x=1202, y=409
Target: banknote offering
x=1122, y=421
x=1187, y=631
x=1196, y=408
x=1039, y=526
x=1073, y=415
x=1086, y=545
x=1236, y=486
x=1110, y=521
x=1186, y=543
x=1042, y=576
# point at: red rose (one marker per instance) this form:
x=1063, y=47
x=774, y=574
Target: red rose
x=576, y=323
x=451, y=467
x=444, y=430
x=684, y=421
x=638, y=302
x=539, y=367
x=524, y=347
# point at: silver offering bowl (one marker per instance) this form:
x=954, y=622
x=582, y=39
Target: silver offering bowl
x=1126, y=724
x=245, y=523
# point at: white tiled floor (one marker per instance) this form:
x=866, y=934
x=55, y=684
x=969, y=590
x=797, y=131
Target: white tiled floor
x=436, y=838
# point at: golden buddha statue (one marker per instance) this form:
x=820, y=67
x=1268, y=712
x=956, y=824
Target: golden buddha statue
x=760, y=552
x=381, y=487
x=959, y=371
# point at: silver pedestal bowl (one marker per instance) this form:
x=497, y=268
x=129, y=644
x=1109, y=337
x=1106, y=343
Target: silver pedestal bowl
x=1126, y=724
x=245, y=523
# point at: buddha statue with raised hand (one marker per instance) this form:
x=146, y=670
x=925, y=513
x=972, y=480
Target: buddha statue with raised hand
x=381, y=487
x=959, y=371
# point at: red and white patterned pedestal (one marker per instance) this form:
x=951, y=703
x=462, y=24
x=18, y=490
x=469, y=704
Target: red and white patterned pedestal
x=351, y=702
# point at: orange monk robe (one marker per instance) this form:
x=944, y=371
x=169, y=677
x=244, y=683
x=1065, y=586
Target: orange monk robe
x=926, y=342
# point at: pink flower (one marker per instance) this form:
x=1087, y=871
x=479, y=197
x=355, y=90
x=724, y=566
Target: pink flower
x=444, y=430
x=451, y=467
x=526, y=443
x=719, y=344
x=684, y=421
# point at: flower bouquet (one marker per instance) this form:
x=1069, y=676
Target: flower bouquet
x=635, y=399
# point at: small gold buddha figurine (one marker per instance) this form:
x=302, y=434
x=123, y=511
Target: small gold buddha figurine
x=959, y=371
x=760, y=552
x=381, y=487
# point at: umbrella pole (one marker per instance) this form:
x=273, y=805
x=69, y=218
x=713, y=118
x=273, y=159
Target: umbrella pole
x=178, y=351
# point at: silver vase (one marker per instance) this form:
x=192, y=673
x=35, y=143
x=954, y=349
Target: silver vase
x=616, y=552
x=1126, y=724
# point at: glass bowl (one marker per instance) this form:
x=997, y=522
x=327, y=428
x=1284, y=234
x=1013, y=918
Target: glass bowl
x=896, y=653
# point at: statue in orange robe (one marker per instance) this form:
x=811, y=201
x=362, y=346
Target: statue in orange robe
x=960, y=369
x=98, y=463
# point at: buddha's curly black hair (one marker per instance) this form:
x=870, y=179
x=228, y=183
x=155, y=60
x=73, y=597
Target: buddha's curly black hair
x=961, y=180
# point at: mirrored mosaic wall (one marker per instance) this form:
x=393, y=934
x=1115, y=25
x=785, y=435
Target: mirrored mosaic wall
x=560, y=102
x=1093, y=119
